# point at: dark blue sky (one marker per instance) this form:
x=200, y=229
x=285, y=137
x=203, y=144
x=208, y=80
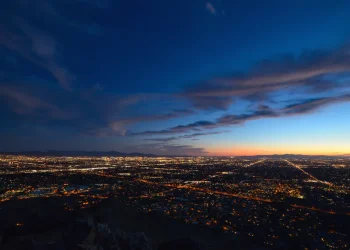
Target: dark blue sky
x=215, y=77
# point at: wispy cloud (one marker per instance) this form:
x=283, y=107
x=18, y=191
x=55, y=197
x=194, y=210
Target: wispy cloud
x=188, y=136
x=210, y=7
x=165, y=139
x=305, y=72
x=105, y=115
x=24, y=103
x=21, y=33
x=299, y=108
x=89, y=112
x=311, y=105
x=37, y=47
x=119, y=126
x=60, y=13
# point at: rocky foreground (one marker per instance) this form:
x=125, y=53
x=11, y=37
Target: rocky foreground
x=42, y=224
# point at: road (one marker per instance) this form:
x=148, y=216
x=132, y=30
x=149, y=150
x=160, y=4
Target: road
x=308, y=174
x=254, y=163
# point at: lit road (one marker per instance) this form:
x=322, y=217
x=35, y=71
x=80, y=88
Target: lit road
x=254, y=163
x=308, y=174
x=204, y=190
x=314, y=209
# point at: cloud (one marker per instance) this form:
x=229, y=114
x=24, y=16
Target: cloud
x=243, y=118
x=305, y=72
x=192, y=136
x=188, y=136
x=119, y=126
x=19, y=34
x=210, y=7
x=24, y=103
x=196, y=126
x=43, y=46
x=212, y=102
x=37, y=47
x=300, y=108
x=88, y=112
x=166, y=139
x=96, y=112
x=33, y=103
x=74, y=14
x=311, y=105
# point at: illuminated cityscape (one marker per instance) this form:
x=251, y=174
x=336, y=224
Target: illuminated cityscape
x=276, y=202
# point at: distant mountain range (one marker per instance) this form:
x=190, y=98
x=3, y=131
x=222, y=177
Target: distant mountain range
x=136, y=154
x=78, y=153
x=298, y=156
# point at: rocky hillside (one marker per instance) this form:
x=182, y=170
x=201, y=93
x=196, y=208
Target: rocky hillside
x=43, y=223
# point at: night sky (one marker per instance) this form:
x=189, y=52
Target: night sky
x=176, y=77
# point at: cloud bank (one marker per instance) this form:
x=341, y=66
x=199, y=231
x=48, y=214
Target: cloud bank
x=299, y=108
x=306, y=73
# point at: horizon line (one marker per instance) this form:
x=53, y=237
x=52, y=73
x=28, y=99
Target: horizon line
x=158, y=155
